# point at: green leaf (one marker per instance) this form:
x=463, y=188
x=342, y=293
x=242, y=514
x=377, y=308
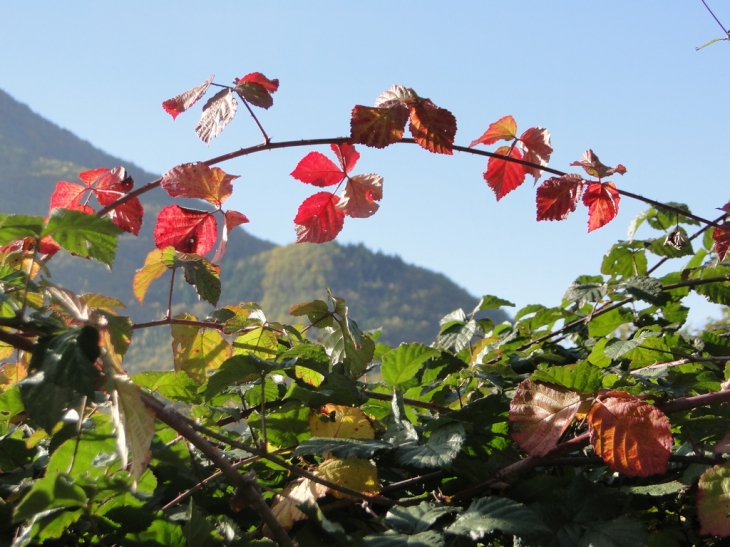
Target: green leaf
x=253, y=397
x=489, y=302
x=718, y=292
x=440, y=450
x=196, y=529
x=661, y=489
x=583, y=291
x=51, y=492
x=260, y=341
x=625, y=260
x=285, y=426
x=342, y=448
x=176, y=386
x=160, y=532
x=457, y=336
x=401, y=364
x=195, y=350
x=660, y=218
x=648, y=289
x=582, y=377
x=345, y=343
x=486, y=515
x=84, y=235
x=316, y=311
x=616, y=347
x=606, y=323
x=198, y=271
x=659, y=247
x=393, y=539
x=239, y=369
x=620, y=532
x=14, y=227
x=418, y=518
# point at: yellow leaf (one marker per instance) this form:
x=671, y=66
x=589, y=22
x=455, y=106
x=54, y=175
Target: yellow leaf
x=344, y=422
x=11, y=373
x=135, y=425
x=354, y=473
x=153, y=268
x=195, y=350
x=259, y=341
x=302, y=491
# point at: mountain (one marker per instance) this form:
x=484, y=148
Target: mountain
x=381, y=291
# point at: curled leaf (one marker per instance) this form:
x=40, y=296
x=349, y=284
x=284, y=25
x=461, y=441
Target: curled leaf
x=180, y=103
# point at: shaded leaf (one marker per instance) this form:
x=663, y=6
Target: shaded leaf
x=721, y=237
x=713, y=501
x=14, y=227
x=239, y=369
x=319, y=219
x=316, y=311
x=440, y=450
x=418, y=518
x=359, y=197
x=187, y=230
x=620, y=532
x=557, y=197
x=432, y=127
x=539, y=414
x=504, y=176
x=342, y=448
x=602, y=200
x=486, y=515
x=378, y=127
x=198, y=181
x=393, y=539
x=180, y=103
x=198, y=271
x=217, y=112
x=51, y=492
x=257, y=89
x=299, y=492
x=632, y=437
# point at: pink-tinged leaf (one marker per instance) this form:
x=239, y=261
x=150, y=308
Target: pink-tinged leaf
x=257, y=89
x=217, y=112
x=347, y=155
x=319, y=219
x=378, y=127
x=318, y=170
x=713, y=501
x=68, y=195
x=396, y=94
x=432, y=127
x=503, y=129
x=602, y=199
x=185, y=100
x=593, y=166
x=234, y=218
x=358, y=199
x=198, y=181
x=632, y=437
x=539, y=414
x=504, y=176
x=557, y=197
x=104, y=178
x=187, y=230
x=721, y=236
x=535, y=144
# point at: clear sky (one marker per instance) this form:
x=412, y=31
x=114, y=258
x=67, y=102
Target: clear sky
x=620, y=77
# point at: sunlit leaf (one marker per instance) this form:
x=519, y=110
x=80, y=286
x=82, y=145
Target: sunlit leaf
x=68, y=195
x=153, y=269
x=180, y=103
x=138, y=425
x=557, y=197
x=602, y=200
x=486, y=515
x=353, y=473
x=713, y=501
x=359, y=197
x=402, y=364
x=378, y=127
x=593, y=166
x=341, y=422
x=217, y=112
x=318, y=170
x=198, y=181
x=432, y=127
x=632, y=437
x=196, y=350
x=187, y=230
x=319, y=219
x=721, y=237
x=440, y=450
x=84, y=235
x=257, y=89
x=536, y=145
x=503, y=129
x=504, y=176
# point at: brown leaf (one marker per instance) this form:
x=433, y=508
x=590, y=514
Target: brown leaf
x=217, y=112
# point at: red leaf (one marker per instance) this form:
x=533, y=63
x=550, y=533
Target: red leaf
x=504, y=176
x=632, y=437
x=234, y=218
x=360, y=194
x=318, y=170
x=432, y=127
x=539, y=414
x=378, y=127
x=110, y=185
x=721, y=236
x=557, y=197
x=347, y=155
x=182, y=102
x=187, y=230
x=257, y=89
x=593, y=166
x=198, y=181
x=68, y=195
x=217, y=112
x=503, y=129
x=536, y=146
x=318, y=219
x=602, y=200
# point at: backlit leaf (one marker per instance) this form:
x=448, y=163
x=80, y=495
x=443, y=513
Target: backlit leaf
x=432, y=127
x=602, y=200
x=68, y=195
x=138, y=422
x=111, y=185
x=257, y=89
x=535, y=144
x=341, y=422
x=318, y=170
x=198, y=181
x=197, y=350
x=359, y=197
x=557, y=197
x=217, y=112
x=378, y=127
x=632, y=437
x=153, y=269
x=187, y=230
x=504, y=176
x=316, y=311
x=354, y=473
x=53, y=491
x=713, y=501
x=319, y=219
x=539, y=414
x=503, y=129
x=593, y=166
x=721, y=237
x=346, y=154
x=199, y=273
x=259, y=341
x=182, y=102
x=13, y=227
x=84, y=235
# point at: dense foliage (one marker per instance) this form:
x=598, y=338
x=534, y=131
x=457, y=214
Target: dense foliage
x=599, y=421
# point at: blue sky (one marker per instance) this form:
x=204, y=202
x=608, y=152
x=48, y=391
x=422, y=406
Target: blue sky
x=620, y=77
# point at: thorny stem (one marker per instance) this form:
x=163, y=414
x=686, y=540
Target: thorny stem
x=267, y=140
x=168, y=315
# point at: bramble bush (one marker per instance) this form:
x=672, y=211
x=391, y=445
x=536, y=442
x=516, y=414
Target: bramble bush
x=599, y=421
